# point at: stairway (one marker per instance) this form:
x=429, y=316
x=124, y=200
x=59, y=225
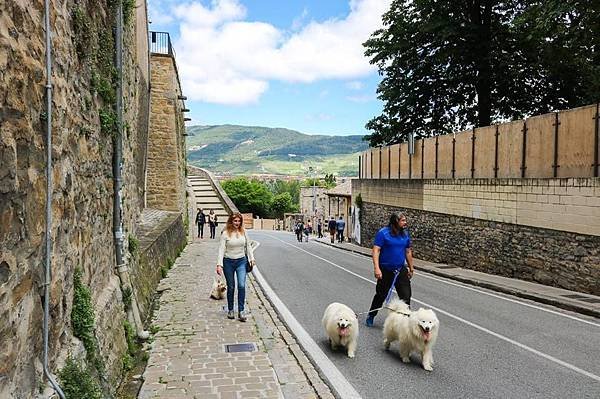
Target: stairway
x=206, y=198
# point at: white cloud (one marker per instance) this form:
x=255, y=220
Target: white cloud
x=224, y=59
x=364, y=98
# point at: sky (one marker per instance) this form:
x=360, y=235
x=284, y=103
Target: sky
x=297, y=64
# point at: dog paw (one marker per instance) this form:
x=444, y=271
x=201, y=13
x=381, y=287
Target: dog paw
x=406, y=360
x=351, y=354
x=428, y=367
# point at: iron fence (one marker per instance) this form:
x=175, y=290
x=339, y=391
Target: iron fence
x=160, y=43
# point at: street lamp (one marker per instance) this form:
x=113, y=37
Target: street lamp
x=314, y=205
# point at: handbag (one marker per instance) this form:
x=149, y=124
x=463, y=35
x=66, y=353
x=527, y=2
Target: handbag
x=249, y=267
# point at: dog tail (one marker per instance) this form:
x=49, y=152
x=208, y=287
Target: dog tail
x=396, y=305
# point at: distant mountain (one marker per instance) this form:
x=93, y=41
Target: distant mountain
x=236, y=150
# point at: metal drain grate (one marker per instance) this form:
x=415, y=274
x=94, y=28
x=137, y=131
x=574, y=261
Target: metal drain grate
x=244, y=347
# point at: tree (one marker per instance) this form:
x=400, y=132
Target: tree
x=282, y=186
x=449, y=65
x=282, y=203
x=330, y=180
x=249, y=196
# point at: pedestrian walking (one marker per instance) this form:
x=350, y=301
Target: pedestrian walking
x=212, y=223
x=392, y=263
x=299, y=230
x=319, y=229
x=332, y=227
x=235, y=259
x=200, y=220
x=340, y=225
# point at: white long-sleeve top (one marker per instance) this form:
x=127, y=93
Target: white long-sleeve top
x=233, y=247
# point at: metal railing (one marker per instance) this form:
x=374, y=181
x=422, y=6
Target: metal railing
x=160, y=43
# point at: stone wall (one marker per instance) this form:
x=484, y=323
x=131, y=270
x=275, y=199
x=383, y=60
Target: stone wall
x=509, y=227
x=162, y=244
x=82, y=179
x=166, y=155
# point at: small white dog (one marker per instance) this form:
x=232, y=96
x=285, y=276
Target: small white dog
x=341, y=326
x=218, y=289
x=415, y=331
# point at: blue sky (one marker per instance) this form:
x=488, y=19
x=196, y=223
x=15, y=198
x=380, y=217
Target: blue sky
x=297, y=64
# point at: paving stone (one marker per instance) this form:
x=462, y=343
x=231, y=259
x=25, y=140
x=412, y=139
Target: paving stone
x=188, y=358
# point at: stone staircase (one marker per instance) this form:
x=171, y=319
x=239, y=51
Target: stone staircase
x=206, y=198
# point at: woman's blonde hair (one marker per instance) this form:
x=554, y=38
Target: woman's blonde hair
x=230, y=228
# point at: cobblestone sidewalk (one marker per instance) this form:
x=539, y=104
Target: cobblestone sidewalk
x=188, y=358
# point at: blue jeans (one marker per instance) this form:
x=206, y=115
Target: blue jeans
x=237, y=267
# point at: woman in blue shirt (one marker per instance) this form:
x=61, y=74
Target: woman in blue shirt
x=392, y=249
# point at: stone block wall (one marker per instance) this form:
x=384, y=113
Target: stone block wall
x=166, y=147
x=82, y=180
x=509, y=227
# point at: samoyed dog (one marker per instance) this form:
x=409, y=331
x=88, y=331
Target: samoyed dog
x=218, y=289
x=416, y=332
x=341, y=325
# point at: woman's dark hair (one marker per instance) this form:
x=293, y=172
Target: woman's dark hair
x=394, y=224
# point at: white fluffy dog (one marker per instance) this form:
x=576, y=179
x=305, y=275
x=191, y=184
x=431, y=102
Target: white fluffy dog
x=341, y=326
x=415, y=331
x=218, y=289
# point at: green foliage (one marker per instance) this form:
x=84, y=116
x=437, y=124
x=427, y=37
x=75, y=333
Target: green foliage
x=77, y=381
x=128, y=10
x=154, y=329
x=281, y=204
x=83, y=320
x=330, y=181
x=249, y=196
x=132, y=345
x=134, y=244
x=82, y=27
x=447, y=66
x=164, y=271
x=108, y=121
x=127, y=297
x=359, y=202
x=282, y=186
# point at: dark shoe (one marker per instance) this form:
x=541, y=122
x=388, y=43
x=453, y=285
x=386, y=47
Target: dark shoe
x=231, y=315
x=369, y=321
x=242, y=317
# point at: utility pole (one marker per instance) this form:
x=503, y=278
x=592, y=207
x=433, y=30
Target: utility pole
x=314, y=202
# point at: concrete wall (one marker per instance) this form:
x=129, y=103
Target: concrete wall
x=545, y=230
x=166, y=147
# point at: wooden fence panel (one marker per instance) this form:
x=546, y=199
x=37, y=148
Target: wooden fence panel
x=429, y=154
x=404, y=158
x=485, y=152
x=576, y=142
x=463, y=154
x=368, y=164
x=385, y=162
x=445, y=156
x=377, y=163
x=417, y=159
x=540, y=146
x=510, y=145
x=394, y=161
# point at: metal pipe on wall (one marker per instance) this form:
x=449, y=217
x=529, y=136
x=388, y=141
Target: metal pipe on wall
x=49, y=188
x=122, y=268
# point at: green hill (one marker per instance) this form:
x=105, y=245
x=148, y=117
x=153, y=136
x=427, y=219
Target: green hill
x=246, y=150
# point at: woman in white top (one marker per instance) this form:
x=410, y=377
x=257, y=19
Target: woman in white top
x=235, y=252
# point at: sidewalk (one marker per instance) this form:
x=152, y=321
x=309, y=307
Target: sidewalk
x=570, y=300
x=188, y=358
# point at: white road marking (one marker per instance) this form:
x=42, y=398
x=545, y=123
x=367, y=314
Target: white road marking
x=497, y=335
x=465, y=286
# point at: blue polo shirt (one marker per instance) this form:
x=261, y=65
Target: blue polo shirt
x=393, y=248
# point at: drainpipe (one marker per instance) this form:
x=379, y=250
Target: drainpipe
x=123, y=272
x=48, y=276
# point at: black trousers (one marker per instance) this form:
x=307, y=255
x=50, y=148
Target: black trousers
x=383, y=287
x=213, y=229
x=201, y=230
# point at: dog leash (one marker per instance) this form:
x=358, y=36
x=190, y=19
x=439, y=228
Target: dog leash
x=388, y=297
x=383, y=307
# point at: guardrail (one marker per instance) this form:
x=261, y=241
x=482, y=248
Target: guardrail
x=160, y=43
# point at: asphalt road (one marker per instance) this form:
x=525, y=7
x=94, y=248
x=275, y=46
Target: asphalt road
x=490, y=345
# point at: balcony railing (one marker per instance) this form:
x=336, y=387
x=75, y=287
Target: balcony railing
x=160, y=43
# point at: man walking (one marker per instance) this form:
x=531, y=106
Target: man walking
x=332, y=226
x=340, y=225
x=319, y=229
